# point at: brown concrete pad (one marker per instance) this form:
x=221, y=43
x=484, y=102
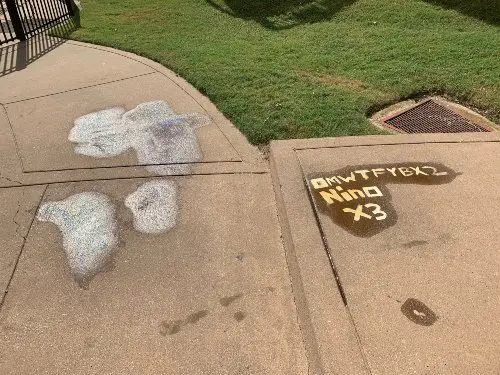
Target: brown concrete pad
x=422, y=285
x=50, y=149
x=56, y=66
x=210, y=296
x=17, y=209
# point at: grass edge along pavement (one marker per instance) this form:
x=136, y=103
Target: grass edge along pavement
x=279, y=69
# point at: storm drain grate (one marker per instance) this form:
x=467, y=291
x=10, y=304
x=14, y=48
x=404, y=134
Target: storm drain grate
x=431, y=117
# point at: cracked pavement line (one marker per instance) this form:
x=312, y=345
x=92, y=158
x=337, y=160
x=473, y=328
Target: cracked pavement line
x=18, y=225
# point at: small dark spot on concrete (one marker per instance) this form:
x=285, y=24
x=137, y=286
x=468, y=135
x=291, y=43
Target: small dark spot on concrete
x=395, y=299
x=90, y=342
x=195, y=318
x=226, y=301
x=167, y=328
x=414, y=243
x=445, y=237
x=239, y=316
x=174, y=329
x=83, y=282
x=418, y=312
x=122, y=243
x=240, y=257
x=109, y=266
x=270, y=289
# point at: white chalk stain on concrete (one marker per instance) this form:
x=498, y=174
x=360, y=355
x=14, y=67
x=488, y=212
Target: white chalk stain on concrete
x=153, y=130
x=88, y=226
x=154, y=206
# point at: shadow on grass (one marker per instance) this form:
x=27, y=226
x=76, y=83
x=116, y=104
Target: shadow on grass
x=485, y=10
x=281, y=14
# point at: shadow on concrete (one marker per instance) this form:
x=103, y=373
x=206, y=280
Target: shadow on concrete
x=484, y=10
x=281, y=14
x=17, y=56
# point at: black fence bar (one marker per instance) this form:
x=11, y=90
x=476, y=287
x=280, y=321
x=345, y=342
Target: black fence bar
x=27, y=18
x=15, y=19
x=5, y=27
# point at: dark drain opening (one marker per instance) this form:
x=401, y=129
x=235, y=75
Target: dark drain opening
x=431, y=117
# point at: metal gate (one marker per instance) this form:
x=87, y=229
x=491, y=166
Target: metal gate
x=22, y=19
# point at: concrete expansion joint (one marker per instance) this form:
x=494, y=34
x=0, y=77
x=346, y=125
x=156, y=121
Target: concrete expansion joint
x=24, y=237
x=78, y=88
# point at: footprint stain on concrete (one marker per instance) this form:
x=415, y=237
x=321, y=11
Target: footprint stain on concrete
x=417, y=312
x=157, y=134
x=411, y=244
x=226, y=301
x=171, y=328
x=239, y=316
x=154, y=206
x=88, y=226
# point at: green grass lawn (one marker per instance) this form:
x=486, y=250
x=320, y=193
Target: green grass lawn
x=311, y=68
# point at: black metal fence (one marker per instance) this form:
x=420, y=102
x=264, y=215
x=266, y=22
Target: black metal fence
x=22, y=19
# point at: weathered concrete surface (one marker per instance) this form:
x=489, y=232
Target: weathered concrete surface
x=17, y=209
x=210, y=296
x=196, y=279
x=51, y=150
x=65, y=67
x=74, y=79
x=441, y=251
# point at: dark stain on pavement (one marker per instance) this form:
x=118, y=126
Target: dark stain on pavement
x=411, y=244
x=170, y=328
x=418, y=312
x=358, y=199
x=226, y=301
x=173, y=327
x=239, y=316
x=195, y=318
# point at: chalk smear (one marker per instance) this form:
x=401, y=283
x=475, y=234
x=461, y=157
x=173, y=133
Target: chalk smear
x=154, y=206
x=88, y=226
x=157, y=134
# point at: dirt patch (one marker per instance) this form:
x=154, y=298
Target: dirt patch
x=346, y=83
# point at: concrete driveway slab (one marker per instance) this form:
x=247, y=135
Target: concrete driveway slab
x=50, y=149
x=16, y=215
x=183, y=289
x=56, y=66
x=408, y=230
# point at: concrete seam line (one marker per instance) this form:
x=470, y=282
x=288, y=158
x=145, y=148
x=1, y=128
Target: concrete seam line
x=333, y=266
x=80, y=88
x=4, y=295
x=309, y=340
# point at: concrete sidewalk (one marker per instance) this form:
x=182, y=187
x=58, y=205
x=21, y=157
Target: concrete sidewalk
x=141, y=235
x=392, y=244
x=139, y=230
